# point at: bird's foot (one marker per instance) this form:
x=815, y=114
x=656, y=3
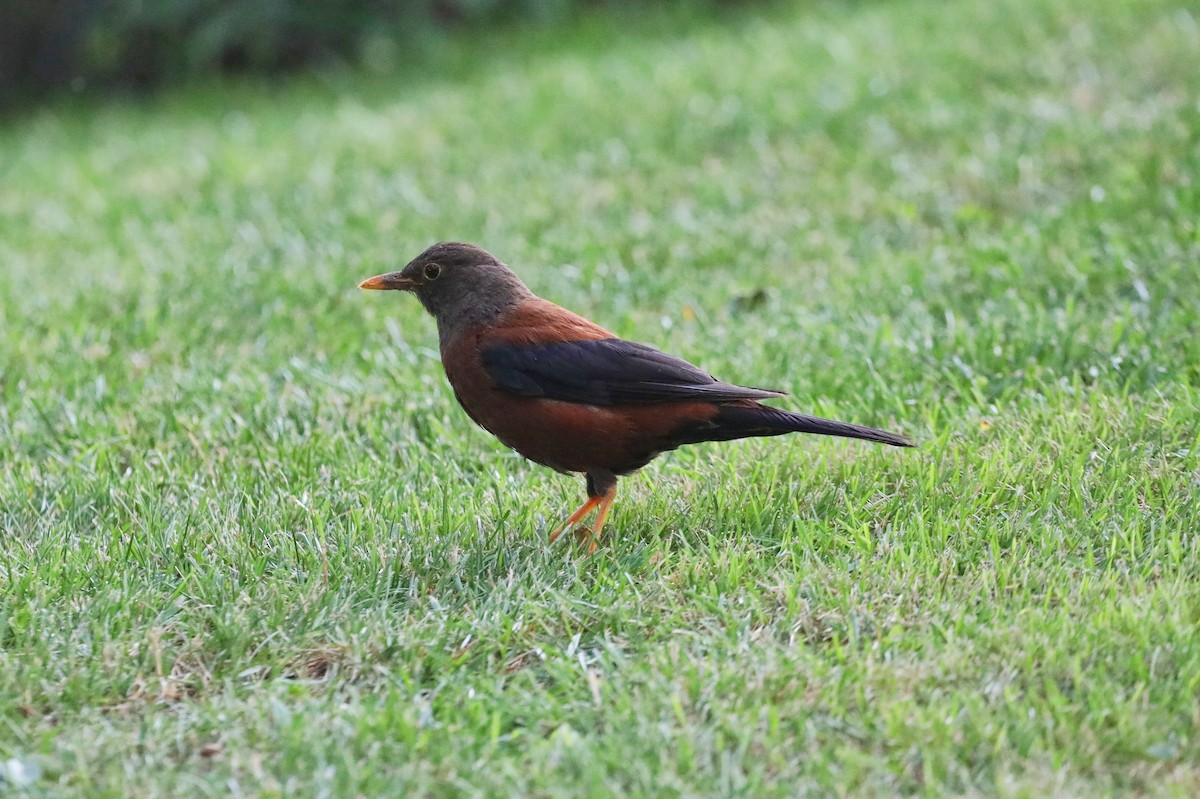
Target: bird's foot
x=591, y=534
x=583, y=510
x=585, y=534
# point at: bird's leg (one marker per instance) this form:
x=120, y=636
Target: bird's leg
x=602, y=490
x=584, y=510
x=606, y=503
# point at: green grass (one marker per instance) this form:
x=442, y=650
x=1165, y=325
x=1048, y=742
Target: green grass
x=250, y=544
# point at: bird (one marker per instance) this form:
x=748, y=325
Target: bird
x=566, y=393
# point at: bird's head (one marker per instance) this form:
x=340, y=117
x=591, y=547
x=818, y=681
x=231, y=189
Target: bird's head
x=457, y=283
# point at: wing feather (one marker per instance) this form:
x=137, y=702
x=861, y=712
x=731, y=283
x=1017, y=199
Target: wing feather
x=606, y=372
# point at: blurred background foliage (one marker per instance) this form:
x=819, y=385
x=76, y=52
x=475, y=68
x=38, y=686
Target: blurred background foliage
x=55, y=46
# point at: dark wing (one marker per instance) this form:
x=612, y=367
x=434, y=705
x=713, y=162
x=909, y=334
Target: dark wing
x=608, y=371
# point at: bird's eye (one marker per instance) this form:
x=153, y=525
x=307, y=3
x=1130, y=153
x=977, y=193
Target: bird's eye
x=432, y=271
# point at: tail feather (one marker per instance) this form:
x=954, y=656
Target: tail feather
x=743, y=421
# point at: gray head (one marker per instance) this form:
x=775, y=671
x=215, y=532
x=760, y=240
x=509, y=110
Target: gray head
x=458, y=284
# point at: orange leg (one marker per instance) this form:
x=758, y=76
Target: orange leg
x=606, y=503
x=584, y=510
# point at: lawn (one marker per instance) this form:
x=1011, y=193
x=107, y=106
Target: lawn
x=251, y=546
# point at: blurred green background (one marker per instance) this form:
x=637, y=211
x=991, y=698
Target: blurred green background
x=55, y=46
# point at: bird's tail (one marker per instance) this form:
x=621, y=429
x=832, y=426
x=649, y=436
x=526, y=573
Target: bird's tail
x=752, y=419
